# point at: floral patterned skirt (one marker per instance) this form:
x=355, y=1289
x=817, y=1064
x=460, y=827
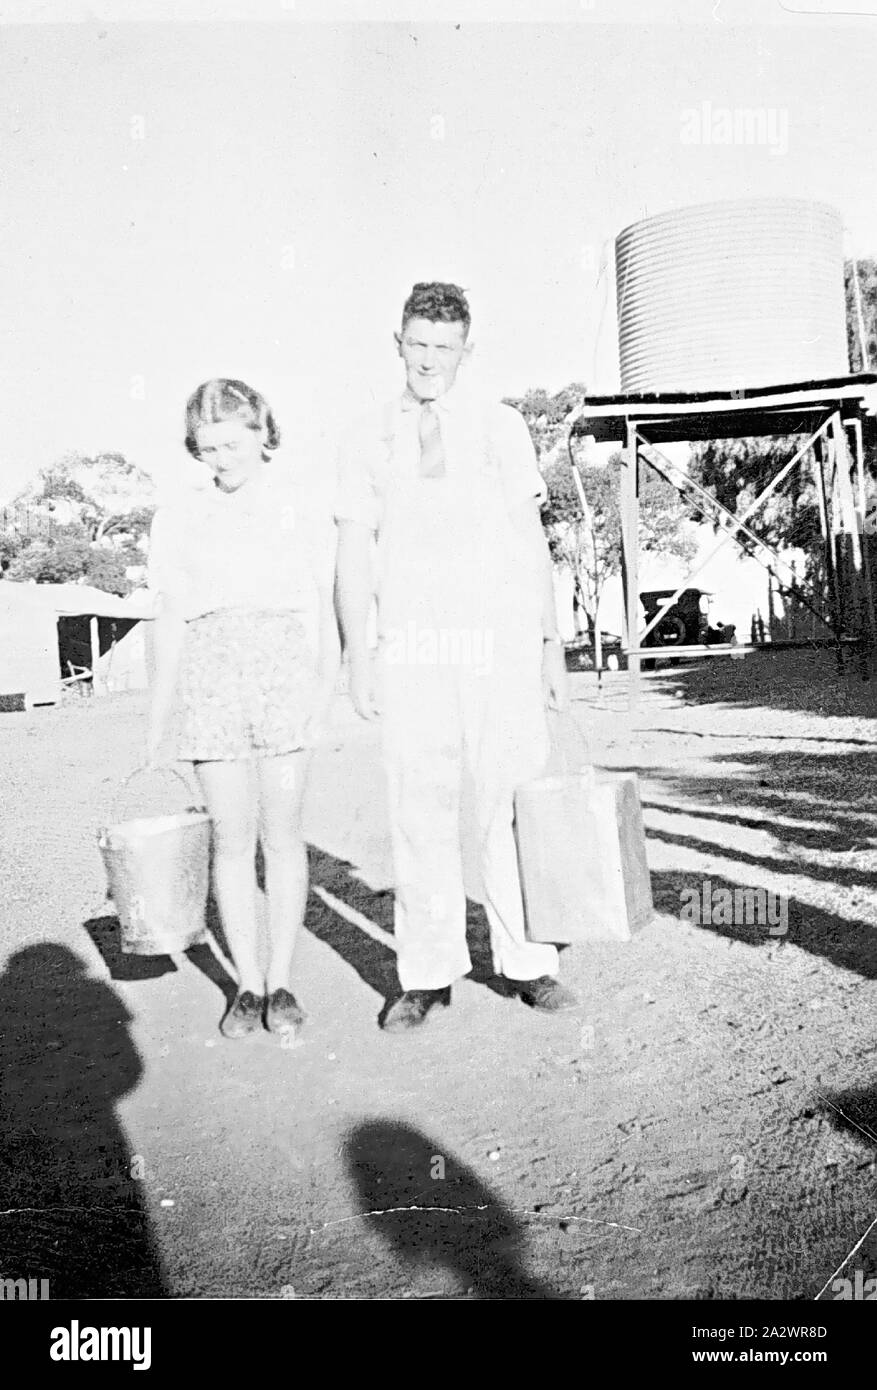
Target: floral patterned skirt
x=247, y=685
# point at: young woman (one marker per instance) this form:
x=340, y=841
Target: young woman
x=246, y=643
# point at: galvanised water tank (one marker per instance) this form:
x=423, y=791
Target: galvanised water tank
x=730, y=295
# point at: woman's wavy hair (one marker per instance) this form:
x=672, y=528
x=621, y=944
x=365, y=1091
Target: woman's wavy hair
x=225, y=399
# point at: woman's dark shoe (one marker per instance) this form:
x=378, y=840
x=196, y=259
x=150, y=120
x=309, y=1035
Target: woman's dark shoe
x=282, y=1012
x=244, y=1017
x=413, y=1008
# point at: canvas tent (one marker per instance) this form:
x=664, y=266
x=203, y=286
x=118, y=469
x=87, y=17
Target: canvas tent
x=43, y=625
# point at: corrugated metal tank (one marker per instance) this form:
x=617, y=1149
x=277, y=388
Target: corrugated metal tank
x=731, y=294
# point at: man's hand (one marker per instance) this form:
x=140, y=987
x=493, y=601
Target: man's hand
x=317, y=723
x=313, y=730
x=555, y=683
x=354, y=589
x=362, y=691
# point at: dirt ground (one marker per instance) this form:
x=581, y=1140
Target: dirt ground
x=704, y=1127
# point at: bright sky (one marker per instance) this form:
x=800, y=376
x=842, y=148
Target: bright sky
x=255, y=199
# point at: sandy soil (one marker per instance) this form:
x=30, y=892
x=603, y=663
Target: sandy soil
x=705, y=1126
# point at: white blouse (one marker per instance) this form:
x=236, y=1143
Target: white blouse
x=266, y=546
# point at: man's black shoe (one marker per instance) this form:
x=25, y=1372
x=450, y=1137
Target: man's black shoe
x=548, y=994
x=413, y=1008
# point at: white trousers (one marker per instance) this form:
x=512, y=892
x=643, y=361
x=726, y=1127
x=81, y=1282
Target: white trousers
x=486, y=715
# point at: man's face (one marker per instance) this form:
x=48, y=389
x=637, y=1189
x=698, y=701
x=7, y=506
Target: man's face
x=432, y=353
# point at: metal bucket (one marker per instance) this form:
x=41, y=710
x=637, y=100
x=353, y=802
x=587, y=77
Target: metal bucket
x=158, y=870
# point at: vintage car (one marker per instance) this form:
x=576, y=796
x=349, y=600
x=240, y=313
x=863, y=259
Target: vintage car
x=580, y=653
x=686, y=623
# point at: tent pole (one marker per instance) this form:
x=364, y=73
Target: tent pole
x=94, y=633
x=630, y=542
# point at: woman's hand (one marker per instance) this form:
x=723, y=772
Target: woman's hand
x=169, y=637
x=362, y=690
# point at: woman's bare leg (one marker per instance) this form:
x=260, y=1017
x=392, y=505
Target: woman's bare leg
x=230, y=793
x=281, y=789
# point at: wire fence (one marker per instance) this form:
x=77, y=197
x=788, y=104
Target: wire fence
x=27, y=520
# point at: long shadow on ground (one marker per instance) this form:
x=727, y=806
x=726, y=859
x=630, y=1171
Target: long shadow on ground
x=73, y=1209
x=811, y=804
x=372, y=959
x=432, y=1210
x=849, y=944
x=805, y=679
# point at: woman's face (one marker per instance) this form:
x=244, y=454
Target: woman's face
x=231, y=450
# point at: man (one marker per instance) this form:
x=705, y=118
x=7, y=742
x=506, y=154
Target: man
x=468, y=649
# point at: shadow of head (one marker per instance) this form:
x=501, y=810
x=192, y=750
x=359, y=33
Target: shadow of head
x=433, y=1210
x=74, y=1209
x=63, y=1035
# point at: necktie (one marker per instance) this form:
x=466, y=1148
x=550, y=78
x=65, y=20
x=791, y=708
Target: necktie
x=432, y=453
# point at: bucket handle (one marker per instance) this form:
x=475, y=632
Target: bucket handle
x=138, y=771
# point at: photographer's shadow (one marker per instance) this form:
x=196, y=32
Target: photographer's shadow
x=434, y=1210
x=73, y=1207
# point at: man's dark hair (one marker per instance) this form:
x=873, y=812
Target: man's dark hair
x=439, y=303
